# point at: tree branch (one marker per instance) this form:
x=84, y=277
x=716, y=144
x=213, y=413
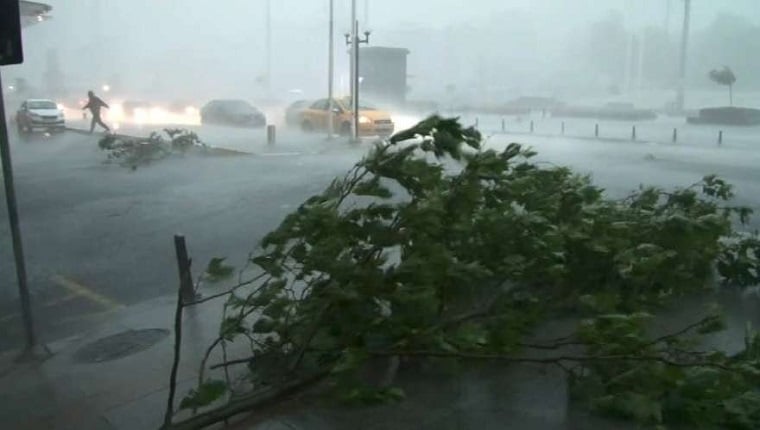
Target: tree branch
x=549, y=360
x=228, y=292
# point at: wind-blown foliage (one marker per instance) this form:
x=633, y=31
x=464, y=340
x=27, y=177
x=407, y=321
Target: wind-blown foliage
x=432, y=246
x=724, y=76
x=133, y=152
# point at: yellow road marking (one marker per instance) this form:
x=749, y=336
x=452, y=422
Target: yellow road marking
x=82, y=291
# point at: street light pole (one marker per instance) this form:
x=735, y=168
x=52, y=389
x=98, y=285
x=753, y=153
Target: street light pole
x=353, y=41
x=355, y=95
x=352, y=80
x=331, y=73
x=684, y=47
x=269, y=47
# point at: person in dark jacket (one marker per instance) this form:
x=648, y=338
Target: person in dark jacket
x=94, y=104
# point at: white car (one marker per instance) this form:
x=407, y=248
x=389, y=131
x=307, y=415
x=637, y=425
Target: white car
x=40, y=114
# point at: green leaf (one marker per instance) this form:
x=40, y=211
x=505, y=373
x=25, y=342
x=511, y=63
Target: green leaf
x=263, y=326
x=350, y=361
x=217, y=271
x=373, y=188
x=631, y=405
x=712, y=324
x=231, y=327
x=269, y=265
x=204, y=395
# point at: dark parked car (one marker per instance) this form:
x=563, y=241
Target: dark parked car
x=40, y=114
x=293, y=114
x=232, y=112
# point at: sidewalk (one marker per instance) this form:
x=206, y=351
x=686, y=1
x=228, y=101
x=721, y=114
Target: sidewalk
x=77, y=389
x=63, y=392
x=66, y=392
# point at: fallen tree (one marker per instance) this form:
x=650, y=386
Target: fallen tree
x=433, y=248
x=133, y=152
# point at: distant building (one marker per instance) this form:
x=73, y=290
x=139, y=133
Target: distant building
x=383, y=74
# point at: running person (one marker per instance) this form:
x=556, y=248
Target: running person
x=94, y=104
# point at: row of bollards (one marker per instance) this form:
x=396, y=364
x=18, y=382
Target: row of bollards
x=272, y=131
x=634, y=135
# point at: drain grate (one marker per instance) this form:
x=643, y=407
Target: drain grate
x=119, y=345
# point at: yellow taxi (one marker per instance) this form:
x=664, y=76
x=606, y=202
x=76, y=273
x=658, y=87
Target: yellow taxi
x=372, y=121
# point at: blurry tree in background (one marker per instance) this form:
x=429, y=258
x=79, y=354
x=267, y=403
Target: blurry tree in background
x=54, y=80
x=725, y=76
x=603, y=46
x=730, y=39
x=606, y=43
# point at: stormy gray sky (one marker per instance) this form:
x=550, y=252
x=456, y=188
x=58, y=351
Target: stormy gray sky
x=215, y=48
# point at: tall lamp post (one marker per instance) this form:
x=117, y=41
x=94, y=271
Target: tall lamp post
x=269, y=48
x=684, y=47
x=353, y=41
x=331, y=73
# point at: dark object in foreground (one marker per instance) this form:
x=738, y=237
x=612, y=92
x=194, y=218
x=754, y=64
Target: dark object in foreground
x=728, y=115
x=232, y=112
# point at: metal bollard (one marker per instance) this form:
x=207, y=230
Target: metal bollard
x=531, y=126
x=596, y=130
x=271, y=134
x=675, y=135
x=720, y=137
x=563, y=128
x=633, y=133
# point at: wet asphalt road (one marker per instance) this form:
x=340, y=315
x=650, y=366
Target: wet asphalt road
x=98, y=237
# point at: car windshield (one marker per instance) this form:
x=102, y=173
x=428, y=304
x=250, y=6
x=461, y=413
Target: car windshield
x=41, y=104
x=238, y=106
x=362, y=105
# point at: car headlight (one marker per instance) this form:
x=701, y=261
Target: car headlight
x=364, y=120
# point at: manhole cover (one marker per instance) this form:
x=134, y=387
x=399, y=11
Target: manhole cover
x=119, y=345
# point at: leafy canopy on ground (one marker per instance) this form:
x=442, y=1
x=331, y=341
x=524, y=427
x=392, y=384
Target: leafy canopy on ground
x=133, y=152
x=432, y=247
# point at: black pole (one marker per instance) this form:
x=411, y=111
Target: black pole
x=720, y=137
x=684, y=47
x=186, y=287
x=596, y=130
x=633, y=133
x=675, y=135
x=175, y=359
x=531, y=126
x=563, y=128
x=271, y=134
x=503, y=125
x=18, y=250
